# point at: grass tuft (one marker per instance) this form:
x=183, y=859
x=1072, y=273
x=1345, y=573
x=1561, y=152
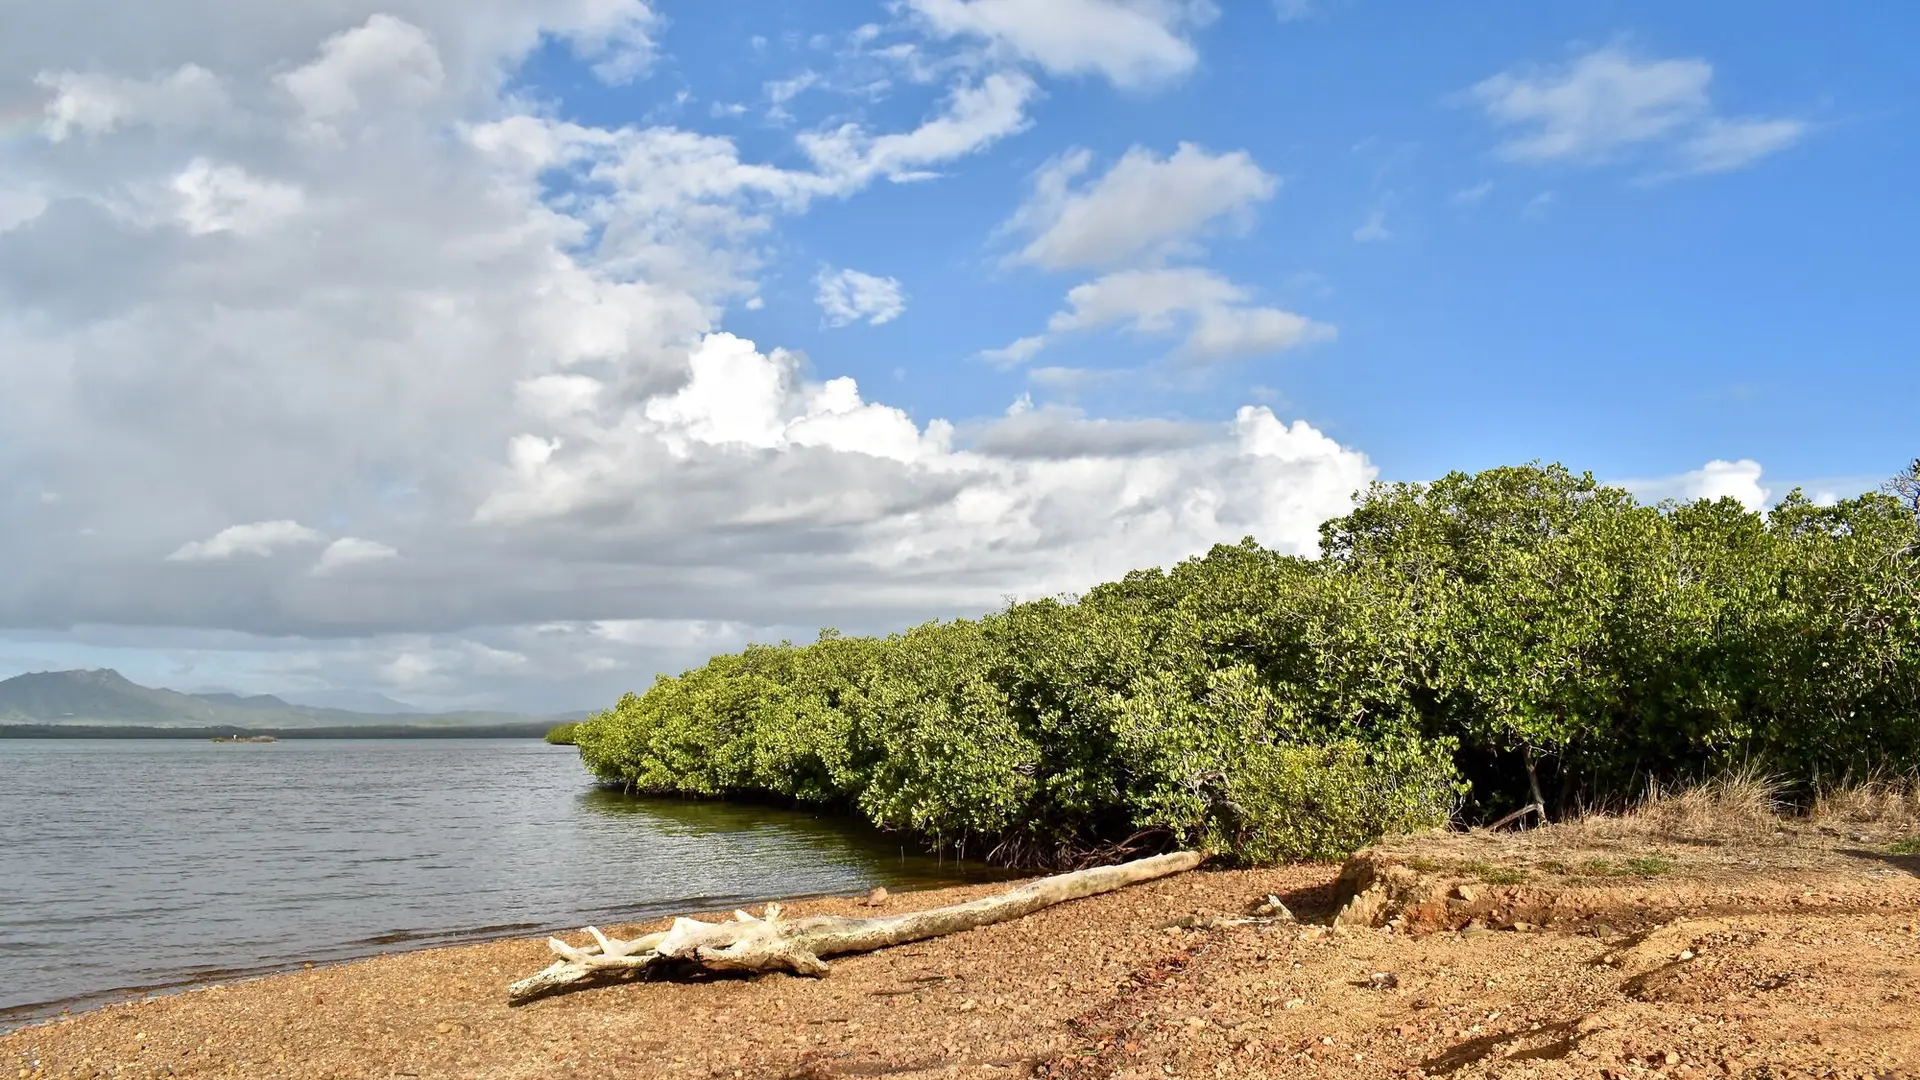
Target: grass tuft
x=1496, y=875
x=1885, y=801
x=1648, y=865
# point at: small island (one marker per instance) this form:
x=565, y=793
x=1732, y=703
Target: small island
x=243, y=738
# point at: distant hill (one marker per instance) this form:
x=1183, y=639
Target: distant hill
x=362, y=701
x=104, y=697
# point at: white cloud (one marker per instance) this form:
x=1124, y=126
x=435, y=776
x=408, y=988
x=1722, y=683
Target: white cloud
x=18, y=207
x=1722, y=145
x=1131, y=43
x=1072, y=380
x=1218, y=317
x=1374, y=229
x=259, y=538
x=781, y=91
x=849, y=296
x=91, y=103
x=616, y=37
x=1146, y=300
x=1223, y=331
x=1068, y=499
x=1293, y=10
x=352, y=551
x=977, y=116
x=224, y=198
x=1474, y=194
x=1017, y=352
x=1145, y=206
x=1609, y=102
x=360, y=291
x=385, y=62
x=1737, y=480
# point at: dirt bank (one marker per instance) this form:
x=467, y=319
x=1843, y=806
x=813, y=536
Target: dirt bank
x=1787, y=953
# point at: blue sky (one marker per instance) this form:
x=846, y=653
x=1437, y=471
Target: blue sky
x=1586, y=311
x=505, y=352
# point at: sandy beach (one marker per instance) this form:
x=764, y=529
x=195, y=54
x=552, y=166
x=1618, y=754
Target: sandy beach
x=1799, y=959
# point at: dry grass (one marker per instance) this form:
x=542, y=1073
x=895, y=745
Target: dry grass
x=1885, y=804
x=1744, y=804
x=1743, y=809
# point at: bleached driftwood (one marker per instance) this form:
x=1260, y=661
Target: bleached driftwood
x=773, y=943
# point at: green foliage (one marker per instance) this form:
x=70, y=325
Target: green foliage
x=1526, y=629
x=1324, y=802
x=561, y=734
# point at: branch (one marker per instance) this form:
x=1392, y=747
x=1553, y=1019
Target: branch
x=774, y=943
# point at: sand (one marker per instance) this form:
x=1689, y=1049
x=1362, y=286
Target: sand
x=1796, y=956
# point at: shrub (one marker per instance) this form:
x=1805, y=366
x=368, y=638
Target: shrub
x=1467, y=646
x=1325, y=802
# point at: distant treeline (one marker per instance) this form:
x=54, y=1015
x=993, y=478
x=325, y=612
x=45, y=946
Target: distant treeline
x=374, y=731
x=1462, y=648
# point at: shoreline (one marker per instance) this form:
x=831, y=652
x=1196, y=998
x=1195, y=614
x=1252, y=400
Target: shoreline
x=19, y=1018
x=1142, y=982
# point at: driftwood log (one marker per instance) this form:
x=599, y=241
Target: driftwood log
x=773, y=943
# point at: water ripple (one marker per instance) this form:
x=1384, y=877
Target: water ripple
x=205, y=862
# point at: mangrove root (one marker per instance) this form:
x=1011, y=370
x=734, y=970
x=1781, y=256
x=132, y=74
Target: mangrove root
x=774, y=943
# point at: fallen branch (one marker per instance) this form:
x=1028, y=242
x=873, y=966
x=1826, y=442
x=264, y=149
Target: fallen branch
x=1531, y=808
x=773, y=943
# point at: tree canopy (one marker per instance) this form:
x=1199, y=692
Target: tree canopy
x=1464, y=647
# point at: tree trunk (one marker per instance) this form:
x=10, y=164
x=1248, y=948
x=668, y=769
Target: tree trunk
x=1533, y=785
x=772, y=943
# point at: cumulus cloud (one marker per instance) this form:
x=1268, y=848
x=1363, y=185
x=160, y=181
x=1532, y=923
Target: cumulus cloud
x=352, y=551
x=366, y=289
x=1130, y=43
x=848, y=296
x=223, y=198
x=1374, y=229
x=1218, y=317
x=384, y=62
x=94, y=104
x=1057, y=432
x=1737, y=480
x=1145, y=205
x=1609, y=102
x=858, y=486
x=259, y=538
x=1143, y=211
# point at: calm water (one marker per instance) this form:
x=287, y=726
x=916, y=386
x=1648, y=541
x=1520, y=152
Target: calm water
x=129, y=866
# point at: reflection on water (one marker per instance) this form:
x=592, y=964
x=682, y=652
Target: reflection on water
x=202, y=861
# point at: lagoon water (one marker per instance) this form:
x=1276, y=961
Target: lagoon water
x=131, y=866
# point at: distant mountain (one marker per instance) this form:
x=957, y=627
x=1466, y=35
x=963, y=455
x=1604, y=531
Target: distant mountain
x=104, y=697
x=362, y=701
x=255, y=701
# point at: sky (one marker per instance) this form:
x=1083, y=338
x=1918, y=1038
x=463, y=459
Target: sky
x=505, y=353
